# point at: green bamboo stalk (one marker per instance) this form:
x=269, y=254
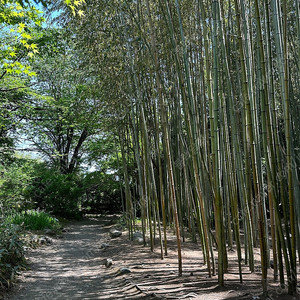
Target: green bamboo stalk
x=168, y=150
x=281, y=51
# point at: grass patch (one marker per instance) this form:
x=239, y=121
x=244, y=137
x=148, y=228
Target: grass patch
x=12, y=240
x=34, y=220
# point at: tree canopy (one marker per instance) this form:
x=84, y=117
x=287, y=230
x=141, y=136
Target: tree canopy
x=190, y=109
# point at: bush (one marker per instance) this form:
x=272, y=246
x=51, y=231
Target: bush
x=34, y=220
x=11, y=253
x=14, y=180
x=57, y=193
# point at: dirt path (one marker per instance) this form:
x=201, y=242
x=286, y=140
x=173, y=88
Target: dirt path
x=72, y=268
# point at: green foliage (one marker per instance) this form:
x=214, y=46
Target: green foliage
x=34, y=220
x=56, y=193
x=12, y=106
x=6, y=146
x=29, y=184
x=14, y=180
x=16, y=39
x=102, y=150
x=11, y=253
x=75, y=5
x=102, y=193
x=65, y=113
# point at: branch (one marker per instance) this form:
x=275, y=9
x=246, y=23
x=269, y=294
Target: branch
x=15, y=88
x=82, y=138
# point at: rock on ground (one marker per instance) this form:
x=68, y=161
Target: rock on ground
x=114, y=233
x=137, y=237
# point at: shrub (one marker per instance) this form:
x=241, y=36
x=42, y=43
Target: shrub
x=14, y=180
x=57, y=193
x=34, y=220
x=11, y=253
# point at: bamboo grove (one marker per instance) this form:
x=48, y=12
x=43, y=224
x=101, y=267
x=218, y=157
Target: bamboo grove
x=206, y=103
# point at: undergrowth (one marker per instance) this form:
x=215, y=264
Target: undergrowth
x=34, y=220
x=12, y=240
x=11, y=253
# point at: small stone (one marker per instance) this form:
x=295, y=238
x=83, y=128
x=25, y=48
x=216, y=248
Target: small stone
x=104, y=246
x=34, y=239
x=139, y=241
x=64, y=230
x=108, y=262
x=42, y=240
x=114, y=233
x=137, y=237
x=123, y=271
x=48, y=240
